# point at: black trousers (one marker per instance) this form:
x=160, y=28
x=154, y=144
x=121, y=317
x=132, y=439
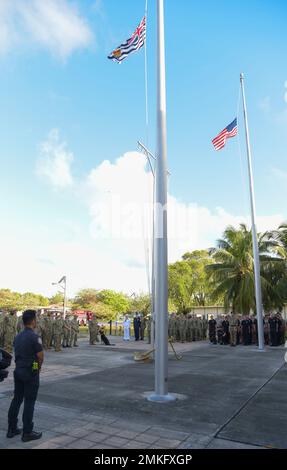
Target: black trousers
x=212, y=336
x=220, y=336
x=273, y=337
x=245, y=337
x=26, y=386
x=137, y=334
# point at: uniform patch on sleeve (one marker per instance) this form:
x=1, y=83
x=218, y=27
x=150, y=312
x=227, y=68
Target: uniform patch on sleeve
x=39, y=340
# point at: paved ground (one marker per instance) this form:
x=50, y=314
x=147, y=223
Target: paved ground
x=94, y=397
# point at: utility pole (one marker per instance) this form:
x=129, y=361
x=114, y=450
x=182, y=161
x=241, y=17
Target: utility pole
x=63, y=284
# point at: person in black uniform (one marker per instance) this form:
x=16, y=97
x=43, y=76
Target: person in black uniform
x=238, y=335
x=29, y=359
x=5, y=362
x=273, y=325
x=280, y=336
x=245, y=331
x=212, y=330
x=225, y=326
x=137, y=328
x=255, y=325
x=250, y=330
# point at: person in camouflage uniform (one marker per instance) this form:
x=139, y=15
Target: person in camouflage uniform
x=58, y=332
x=2, y=316
x=10, y=330
x=233, y=329
x=205, y=328
x=43, y=323
x=76, y=329
x=73, y=330
x=219, y=330
x=176, y=328
x=191, y=328
x=49, y=324
x=143, y=327
x=196, y=329
x=47, y=330
x=172, y=326
x=149, y=329
x=93, y=330
x=39, y=325
x=20, y=324
x=201, y=329
x=53, y=320
x=182, y=328
x=188, y=328
x=71, y=333
x=67, y=332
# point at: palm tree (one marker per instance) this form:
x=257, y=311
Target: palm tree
x=280, y=250
x=232, y=274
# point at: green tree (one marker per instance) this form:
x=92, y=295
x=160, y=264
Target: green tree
x=105, y=303
x=140, y=303
x=180, y=285
x=232, y=274
x=85, y=299
x=188, y=284
x=198, y=260
x=15, y=301
x=57, y=299
x=278, y=273
x=10, y=300
x=30, y=300
x=104, y=312
x=116, y=301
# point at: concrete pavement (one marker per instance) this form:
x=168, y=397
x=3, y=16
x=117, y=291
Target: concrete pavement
x=94, y=397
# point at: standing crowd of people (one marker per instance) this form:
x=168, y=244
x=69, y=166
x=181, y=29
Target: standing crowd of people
x=187, y=328
x=140, y=324
x=237, y=329
x=54, y=330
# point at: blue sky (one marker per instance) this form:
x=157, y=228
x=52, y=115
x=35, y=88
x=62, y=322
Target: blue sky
x=51, y=79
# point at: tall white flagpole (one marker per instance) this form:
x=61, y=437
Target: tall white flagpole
x=258, y=293
x=161, y=245
x=152, y=332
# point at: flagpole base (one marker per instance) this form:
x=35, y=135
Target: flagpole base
x=161, y=398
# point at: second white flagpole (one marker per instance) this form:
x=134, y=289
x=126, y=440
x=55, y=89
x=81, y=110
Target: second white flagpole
x=258, y=293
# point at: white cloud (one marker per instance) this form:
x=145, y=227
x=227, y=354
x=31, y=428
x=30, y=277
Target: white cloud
x=55, y=25
x=54, y=164
x=116, y=191
x=116, y=262
x=116, y=195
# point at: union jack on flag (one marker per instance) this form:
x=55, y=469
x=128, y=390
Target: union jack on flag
x=230, y=131
x=133, y=44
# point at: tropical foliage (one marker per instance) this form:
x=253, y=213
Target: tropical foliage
x=107, y=304
x=188, y=282
x=14, y=300
x=232, y=273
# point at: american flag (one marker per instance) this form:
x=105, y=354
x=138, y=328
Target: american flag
x=230, y=131
x=133, y=44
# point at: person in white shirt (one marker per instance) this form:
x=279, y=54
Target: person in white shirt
x=127, y=326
